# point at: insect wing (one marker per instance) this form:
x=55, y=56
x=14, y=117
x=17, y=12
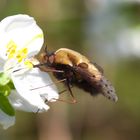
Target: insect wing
x=101, y=84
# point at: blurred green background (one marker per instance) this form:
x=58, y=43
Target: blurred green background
x=108, y=32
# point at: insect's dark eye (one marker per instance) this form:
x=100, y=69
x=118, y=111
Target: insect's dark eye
x=51, y=58
x=46, y=58
x=43, y=57
x=83, y=65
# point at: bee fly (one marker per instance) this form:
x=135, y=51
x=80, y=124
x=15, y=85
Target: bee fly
x=77, y=71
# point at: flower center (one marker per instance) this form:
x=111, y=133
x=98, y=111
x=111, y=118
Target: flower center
x=13, y=52
x=20, y=55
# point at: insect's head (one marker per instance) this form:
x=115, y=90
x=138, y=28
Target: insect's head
x=47, y=57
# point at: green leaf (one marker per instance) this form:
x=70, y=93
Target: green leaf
x=11, y=85
x=4, y=79
x=5, y=106
x=5, y=90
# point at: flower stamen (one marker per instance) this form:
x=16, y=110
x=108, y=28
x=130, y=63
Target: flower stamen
x=21, y=54
x=29, y=64
x=13, y=52
x=11, y=49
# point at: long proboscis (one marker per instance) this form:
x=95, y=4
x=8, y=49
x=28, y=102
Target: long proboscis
x=48, y=69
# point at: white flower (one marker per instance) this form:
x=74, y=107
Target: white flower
x=20, y=40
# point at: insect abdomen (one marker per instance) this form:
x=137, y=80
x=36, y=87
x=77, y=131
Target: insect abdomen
x=107, y=89
x=97, y=84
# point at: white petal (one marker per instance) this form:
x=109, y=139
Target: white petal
x=33, y=79
x=6, y=120
x=20, y=103
x=23, y=30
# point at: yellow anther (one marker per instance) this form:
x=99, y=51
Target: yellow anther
x=11, y=44
x=21, y=54
x=24, y=51
x=10, y=55
x=28, y=64
x=11, y=49
x=19, y=58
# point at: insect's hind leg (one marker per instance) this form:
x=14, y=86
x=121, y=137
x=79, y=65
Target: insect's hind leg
x=73, y=100
x=70, y=91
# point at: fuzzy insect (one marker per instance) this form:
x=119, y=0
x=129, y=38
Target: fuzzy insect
x=78, y=71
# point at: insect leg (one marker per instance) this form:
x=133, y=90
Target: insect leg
x=63, y=100
x=70, y=91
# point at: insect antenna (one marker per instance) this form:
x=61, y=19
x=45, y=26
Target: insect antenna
x=46, y=49
x=48, y=53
